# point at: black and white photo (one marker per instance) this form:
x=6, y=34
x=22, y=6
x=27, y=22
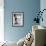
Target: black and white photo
x=17, y=18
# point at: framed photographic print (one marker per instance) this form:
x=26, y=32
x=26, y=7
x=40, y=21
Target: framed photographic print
x=17, y=19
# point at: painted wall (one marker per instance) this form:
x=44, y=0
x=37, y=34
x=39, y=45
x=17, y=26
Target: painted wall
x=29, y=7
x=43, y=6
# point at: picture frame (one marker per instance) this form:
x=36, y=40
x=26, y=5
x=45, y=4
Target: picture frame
x=17, y=19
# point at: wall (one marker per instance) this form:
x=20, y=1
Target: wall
x=29, y=7
x=43, y=6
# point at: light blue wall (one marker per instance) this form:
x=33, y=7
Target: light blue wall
x=43, y=6
x=29, y=7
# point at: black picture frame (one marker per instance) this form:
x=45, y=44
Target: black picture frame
x=17, y=19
